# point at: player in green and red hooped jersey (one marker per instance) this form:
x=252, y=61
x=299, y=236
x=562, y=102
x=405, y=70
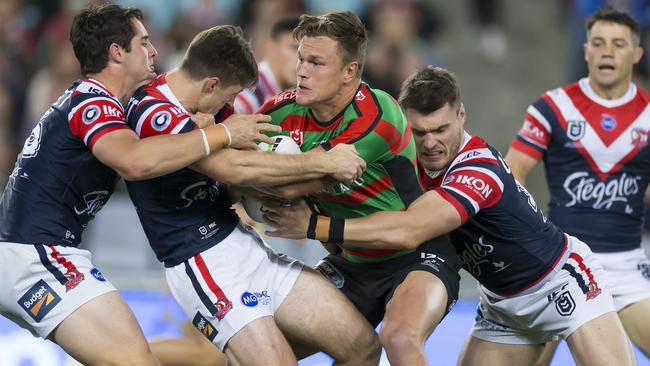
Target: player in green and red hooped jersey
x=410, y=290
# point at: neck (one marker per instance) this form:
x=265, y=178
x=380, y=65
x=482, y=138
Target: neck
x=610, y=92
x=326, y=110
x=120, y=86
x=183, y=88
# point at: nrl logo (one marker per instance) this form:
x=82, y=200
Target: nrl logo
x=576, y=129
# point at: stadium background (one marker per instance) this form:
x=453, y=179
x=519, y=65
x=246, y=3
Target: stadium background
x=505, y=53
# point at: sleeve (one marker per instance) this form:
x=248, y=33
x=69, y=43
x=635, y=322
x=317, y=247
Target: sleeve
x=94, y=116
x=472, y=187
x=534, y=136
x=156, y=117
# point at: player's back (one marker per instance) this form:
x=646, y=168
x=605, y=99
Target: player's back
x=375, y=125
x=57, y=185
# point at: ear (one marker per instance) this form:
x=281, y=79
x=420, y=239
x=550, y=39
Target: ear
x=351, y=71
x=210, y=83
x=115, y=53
x=462, y=114
x=638, y=53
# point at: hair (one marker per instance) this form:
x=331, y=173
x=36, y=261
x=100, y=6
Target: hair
x=618, y=17
x=221, y=51
x=284, y=25
x=95, y=28
x=429, y=89
x=343, y=27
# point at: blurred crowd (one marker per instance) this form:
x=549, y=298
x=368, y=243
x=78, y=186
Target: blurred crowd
x=37, y=63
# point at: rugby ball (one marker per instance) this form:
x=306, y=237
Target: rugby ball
x=282, y=145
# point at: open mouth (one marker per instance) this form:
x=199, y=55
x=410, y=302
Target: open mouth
x=606, y=67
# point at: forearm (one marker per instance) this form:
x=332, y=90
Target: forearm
x=424, y=220
x=255, y=168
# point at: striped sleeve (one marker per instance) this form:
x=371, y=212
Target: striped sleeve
x=472, y=187
x=155, y=117
x=95, y=115
x=534, y=136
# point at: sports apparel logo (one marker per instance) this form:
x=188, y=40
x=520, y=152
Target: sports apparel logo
x=474, y=255
x=204, y=326
x=564, y=304
x=576, y=129
x=645, y=270
x=477, y=184
x=94, y=202
x=161, y=120
x=74, y=278
x=39, y=300
x=98, y=275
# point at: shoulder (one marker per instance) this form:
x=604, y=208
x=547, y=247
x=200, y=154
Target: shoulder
x=284, y=99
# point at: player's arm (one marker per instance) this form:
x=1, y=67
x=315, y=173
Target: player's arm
x=299, y=189
x=136, y=159
x=520, y=164
x=429, y=216
x=257, y=168
x=532, y=140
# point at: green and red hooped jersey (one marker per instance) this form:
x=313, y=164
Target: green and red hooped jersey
x=375, y=124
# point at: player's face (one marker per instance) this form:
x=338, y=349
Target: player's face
x=610, y=53
x=139, y=62
x=437, y=135
x=212, y=101
x=285, y=51
x=320, y=71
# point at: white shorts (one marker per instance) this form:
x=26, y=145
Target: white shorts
x=570, y=298
x=229, y=285
x=41, y=285
x=627, y=275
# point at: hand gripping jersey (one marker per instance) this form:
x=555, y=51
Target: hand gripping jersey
x=249, y=100
x=597, y=162
x=184, y=212
x=57, y=185
x=504, y=241
x=375, y=125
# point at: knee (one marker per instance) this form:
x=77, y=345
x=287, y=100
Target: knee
x=365, y=350
x=395, y=337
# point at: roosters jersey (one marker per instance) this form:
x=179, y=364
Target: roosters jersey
x=185, y=212
x=597, y=162
x=249, y=100
x=505, y=241
x=57, y=185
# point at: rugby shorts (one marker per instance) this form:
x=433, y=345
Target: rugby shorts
x=229, y=285
x=568, y=299
x=627, y=275
x=369, y=286
x=40, y=285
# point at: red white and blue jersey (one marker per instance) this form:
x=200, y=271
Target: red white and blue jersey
x=185, y=212
x=504, y=241
x=597, y=162
x=249, y=100
x=57, y=185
